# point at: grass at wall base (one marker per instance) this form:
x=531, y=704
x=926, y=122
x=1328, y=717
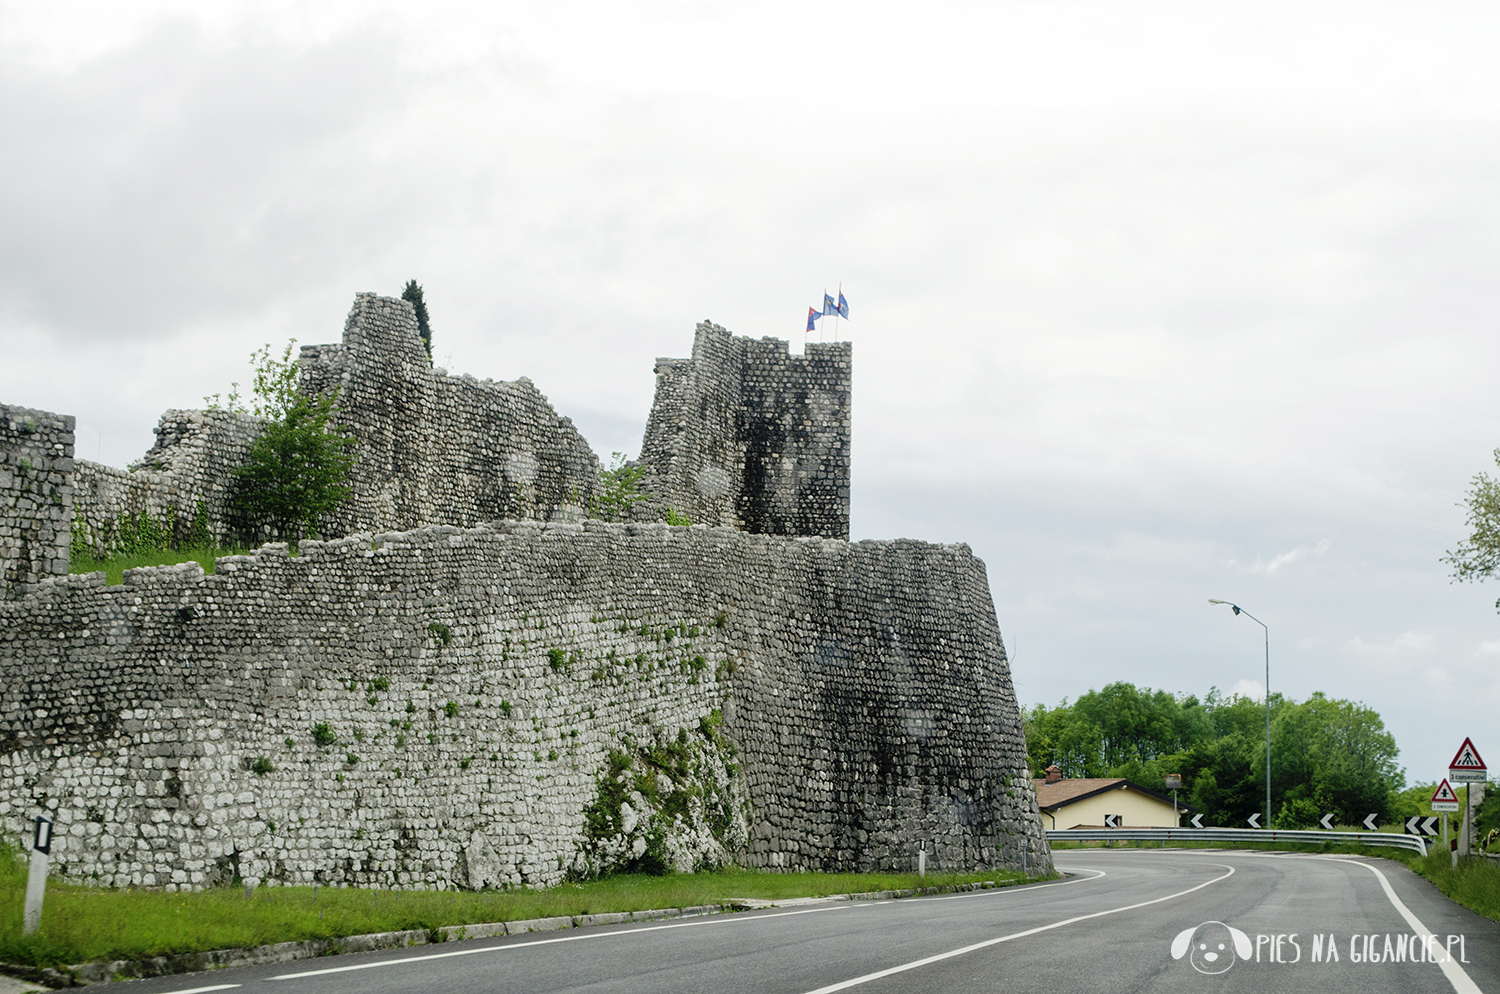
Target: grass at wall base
x=86, y=924
x=114, y=567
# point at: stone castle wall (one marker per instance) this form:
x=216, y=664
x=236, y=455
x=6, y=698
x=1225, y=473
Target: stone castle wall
x=741, y=434
x=473, y=683
x=439, y=449
x=747, y=435
x=188, y=472
x=36, y=496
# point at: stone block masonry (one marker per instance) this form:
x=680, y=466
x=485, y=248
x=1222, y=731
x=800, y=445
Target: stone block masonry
x=36, y=496
x=432, y=448
x=440, y=449
x=747, y=435
x=436, y=708
x=188, y=472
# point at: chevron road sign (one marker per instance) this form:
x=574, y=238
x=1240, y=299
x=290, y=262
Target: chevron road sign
x=1467, y=766
x=1417, y=825
x=1327, y=822
x=1254, y=820
x=1370, y=820
x=1444, y=799
x=1111, y=821
x=1196, y=821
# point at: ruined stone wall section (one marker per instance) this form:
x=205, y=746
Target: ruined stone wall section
x=189, y=469
x=440, y=449
x=36, y=496
x=747, y=435
x=474, y=681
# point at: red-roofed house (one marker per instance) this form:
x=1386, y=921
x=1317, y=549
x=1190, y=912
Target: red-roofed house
x=1084, y=802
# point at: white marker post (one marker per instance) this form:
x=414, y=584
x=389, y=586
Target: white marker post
x=922, y=860
x=36, y=880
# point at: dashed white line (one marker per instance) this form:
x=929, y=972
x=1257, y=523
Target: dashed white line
x=589, y=934
x=636, y=931
x=914, y=964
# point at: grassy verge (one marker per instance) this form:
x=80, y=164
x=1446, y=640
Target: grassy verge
x=83, y=924
x=115, y=567
x=1474, y=883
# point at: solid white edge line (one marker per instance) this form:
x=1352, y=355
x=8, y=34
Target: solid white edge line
x=590, y=934
x=203, y=990
x=637, y=931
x=856, y=981
x=1455, y=973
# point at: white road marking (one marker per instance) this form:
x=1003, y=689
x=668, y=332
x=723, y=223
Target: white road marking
x=589, y=934
x=636, y=931
x=204, y=990
x=914, y=964
x=1015, y=888
x=1455, y=973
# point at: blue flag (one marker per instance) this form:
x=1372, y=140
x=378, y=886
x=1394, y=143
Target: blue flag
x=812, y=317
x=843, y=307
x=829, y=306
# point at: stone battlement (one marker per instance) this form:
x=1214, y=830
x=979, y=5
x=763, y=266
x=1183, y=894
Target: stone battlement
x=748, y=435
x=36, y=496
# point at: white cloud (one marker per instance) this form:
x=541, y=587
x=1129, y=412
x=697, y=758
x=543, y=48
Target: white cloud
x=1405, y=642
x=1253, y=689
x=1488, y=648
x=1264, y=568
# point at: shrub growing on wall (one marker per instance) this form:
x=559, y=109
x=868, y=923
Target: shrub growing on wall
x=298, y=469
x=619, y=489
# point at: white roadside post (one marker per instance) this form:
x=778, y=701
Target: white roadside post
x=36, y=879
x=922, y=860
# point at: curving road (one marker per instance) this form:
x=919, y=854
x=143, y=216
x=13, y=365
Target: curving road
x=1110, y=926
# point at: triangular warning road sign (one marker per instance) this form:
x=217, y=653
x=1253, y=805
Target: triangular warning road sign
x=1467, y=758
x=1444, y=793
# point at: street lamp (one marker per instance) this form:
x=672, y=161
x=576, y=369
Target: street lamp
x=1239, y=610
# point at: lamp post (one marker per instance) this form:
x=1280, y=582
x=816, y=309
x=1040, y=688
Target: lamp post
x=1239, y=610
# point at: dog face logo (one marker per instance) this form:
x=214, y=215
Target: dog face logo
x=1212, y=947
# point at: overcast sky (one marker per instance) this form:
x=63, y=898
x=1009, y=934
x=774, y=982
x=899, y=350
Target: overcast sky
x=1151, y=303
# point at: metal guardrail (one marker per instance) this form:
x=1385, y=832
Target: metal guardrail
x=1413, y=842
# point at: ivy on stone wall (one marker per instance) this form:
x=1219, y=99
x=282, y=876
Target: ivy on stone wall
x=673, y=805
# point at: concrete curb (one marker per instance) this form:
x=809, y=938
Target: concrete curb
x=82, y=974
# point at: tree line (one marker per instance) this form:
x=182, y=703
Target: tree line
x=1326, y=754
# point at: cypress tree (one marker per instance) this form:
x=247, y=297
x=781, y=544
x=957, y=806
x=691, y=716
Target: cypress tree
x=413, y=293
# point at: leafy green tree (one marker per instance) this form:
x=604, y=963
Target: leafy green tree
x=1329, y=755
x=1326, y=755
x=413, y=292
x=298, y=468
x=1478, y=556
x=619, y=489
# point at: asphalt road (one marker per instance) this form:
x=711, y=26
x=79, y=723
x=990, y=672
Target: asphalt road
x=1110, y=926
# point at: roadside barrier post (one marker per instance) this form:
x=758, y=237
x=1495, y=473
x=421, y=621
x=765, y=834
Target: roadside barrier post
x=36, y=879
x=922, y=860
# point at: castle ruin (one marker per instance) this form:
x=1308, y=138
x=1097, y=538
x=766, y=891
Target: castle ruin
x=472, y=684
